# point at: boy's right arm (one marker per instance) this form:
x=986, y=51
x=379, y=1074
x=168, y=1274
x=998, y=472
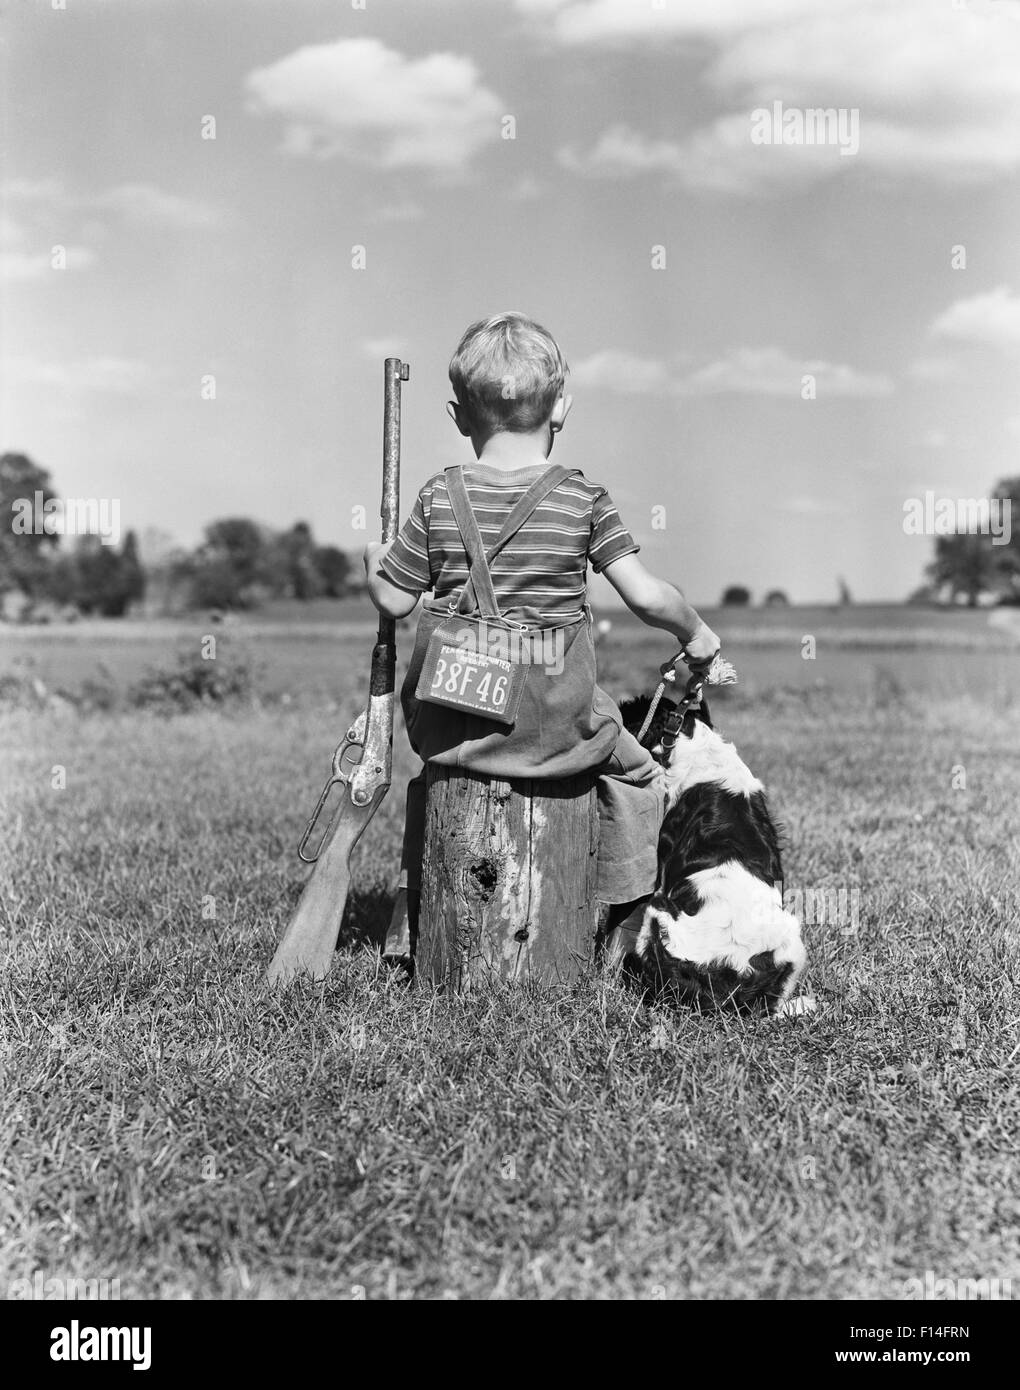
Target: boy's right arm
x=660, y=604
x=398, y=571
x=394, y=602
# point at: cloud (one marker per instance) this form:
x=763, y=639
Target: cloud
x=625, y=373
x=32, y=190
x=21, y=265
x=992, y=318
x=362, y=101
x=622, y=151
x=94, y=374
x=52, y=212
x=145, y=204
x=768, y=371
x=719, y=157
x=937, y=88
x=937, y=369
x=134, y=202
x=27, y=255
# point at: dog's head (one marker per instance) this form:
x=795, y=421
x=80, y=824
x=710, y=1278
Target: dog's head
x=721, y=938
x=765, y=983
x=635, y=710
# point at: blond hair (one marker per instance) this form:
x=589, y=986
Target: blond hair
x=507, y=373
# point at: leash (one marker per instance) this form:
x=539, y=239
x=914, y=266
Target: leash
x=721, y=672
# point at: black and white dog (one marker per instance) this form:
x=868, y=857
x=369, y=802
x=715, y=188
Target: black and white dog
x=715, y=933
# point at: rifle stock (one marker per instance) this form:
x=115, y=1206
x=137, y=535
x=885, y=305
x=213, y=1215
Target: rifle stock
x=362, y=764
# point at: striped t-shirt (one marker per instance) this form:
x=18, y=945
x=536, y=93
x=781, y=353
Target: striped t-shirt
x=543, y=567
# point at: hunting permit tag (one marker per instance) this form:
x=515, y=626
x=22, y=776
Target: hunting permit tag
x=457, y=673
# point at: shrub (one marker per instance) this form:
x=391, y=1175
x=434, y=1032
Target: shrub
x=100, y=692
x=21, y=690
x=193, y=680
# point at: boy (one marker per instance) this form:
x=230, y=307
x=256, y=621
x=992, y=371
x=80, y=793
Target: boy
x=508, y=376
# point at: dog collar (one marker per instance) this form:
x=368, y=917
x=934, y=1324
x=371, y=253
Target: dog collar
x=689, y=701
x=681, y=705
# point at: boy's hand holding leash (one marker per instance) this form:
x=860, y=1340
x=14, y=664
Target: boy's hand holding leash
x=701, y=655
x=701, y=648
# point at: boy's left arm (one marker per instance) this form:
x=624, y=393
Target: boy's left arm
x=394, y=602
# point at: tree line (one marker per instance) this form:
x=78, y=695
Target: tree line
x=241, y=563
x=238, y=564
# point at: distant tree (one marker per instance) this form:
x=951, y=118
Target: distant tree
x=24, y=552
x=924, y=594
x=133, y=575
x=62, y=579
x=845, y=597
x=334, y=568
x=1007, y=557
x=237, y=563
x=966, y=564
x=736, y=596
x=213, y=583
x=106, y=581
x=297, y=559
x=240, y=543
x=972, y=563
x=1008, y=489
x=776, y=598
x=176, y=583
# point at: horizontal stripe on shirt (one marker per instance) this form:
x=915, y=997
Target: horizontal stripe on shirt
x=575, y=524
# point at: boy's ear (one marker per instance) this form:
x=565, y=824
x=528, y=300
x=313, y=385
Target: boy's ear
x=560, y=411
x=459, y=417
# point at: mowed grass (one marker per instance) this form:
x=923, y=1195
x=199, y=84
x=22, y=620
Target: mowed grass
x=169, y=1122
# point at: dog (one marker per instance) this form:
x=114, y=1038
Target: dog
x=714, y=933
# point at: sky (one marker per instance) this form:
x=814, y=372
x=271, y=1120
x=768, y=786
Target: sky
x=597, y=164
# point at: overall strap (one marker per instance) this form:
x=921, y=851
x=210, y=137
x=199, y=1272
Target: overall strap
x=522, y=509
x=536, y=494
x=479, y=582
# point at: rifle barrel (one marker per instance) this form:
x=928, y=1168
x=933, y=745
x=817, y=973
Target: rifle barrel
x=395, y=372
x=384, y=655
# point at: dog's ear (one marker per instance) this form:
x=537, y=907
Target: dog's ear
x=703, y=712
x=634, y=710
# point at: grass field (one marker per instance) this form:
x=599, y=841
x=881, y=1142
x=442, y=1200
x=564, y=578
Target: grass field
x=310, y=652
x=169, y=1123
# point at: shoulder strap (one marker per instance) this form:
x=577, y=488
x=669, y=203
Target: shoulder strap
x=522, y=509
x=536, y=494
x=478, y=587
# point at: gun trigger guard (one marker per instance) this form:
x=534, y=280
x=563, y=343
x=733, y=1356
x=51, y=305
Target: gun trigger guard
x=344, y=762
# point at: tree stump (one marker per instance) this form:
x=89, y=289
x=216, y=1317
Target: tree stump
x=508, y=879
